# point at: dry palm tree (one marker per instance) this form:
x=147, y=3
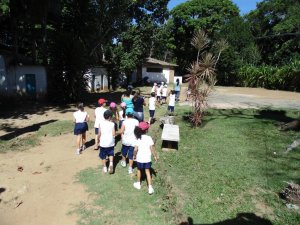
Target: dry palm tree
x=202, y=75
x=201, y=78
x=200, y=41
x=220, y=46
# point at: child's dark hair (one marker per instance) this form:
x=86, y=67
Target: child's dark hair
x=80, y=106
x=127, y=93
x=138, y=132
x=152, y=94
x=177, y=81
x=107, y=114
x=133, y=92
x=172, y=92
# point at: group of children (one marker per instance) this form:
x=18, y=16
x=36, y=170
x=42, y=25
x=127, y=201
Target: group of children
x=160, y=92
x=136, y=144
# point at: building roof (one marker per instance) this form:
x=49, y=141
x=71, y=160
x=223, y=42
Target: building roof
x=159, y=62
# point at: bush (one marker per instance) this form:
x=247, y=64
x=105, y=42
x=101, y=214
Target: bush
x=286, y=77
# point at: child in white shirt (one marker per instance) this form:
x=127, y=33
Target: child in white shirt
x=99, y=111
x=144, y=148
x=128, y=139
x=122, y=115
x=152, y=102
x=171, y=105
x=158, y=93
x=154, y=88
x=164, y=93
x=80, y=119
x=107, y=135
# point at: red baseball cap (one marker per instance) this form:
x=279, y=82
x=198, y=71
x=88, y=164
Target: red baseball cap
x=101, y=101
x=144, y=125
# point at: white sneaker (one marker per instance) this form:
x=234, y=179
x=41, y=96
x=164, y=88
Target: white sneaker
x=123, y=163
x=105, y=169
x=137, y=185
x=130, y=170
x=150, y=190
x=78, y=151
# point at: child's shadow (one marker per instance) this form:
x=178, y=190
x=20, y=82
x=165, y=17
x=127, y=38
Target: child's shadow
x=90, y=143
x=117, y=159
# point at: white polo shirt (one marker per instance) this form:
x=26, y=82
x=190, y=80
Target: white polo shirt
x=144, y=151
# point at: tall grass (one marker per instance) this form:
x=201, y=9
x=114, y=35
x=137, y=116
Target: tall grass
x=283, y=78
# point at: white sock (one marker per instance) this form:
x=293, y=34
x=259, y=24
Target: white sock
x=110, y=163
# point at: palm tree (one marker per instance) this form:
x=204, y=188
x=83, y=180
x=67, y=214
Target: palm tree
x=200, y=41
x=202, y=75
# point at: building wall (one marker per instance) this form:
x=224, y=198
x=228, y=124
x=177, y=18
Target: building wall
x=97, y=75
x=156, y=77
x=13, y=79
x=171, y=76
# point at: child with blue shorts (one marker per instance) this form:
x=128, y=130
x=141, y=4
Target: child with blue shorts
x=172, y=100
x=80, y=119
x=99, y=111
x=128, y=139
x=107, y=135
x=152, y=103
x=144, y=148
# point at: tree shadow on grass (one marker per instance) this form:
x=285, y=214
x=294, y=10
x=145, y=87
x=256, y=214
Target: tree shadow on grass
x=20, y=131
x=241, y=219
x=266, y=114
x=276, y=115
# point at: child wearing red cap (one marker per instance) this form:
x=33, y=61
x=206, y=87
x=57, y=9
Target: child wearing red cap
x=144, y=148
x=99, y=111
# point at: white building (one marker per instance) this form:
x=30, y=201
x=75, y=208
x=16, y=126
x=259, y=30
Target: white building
x=97, y=79
x=157, y=71
x=29, y=81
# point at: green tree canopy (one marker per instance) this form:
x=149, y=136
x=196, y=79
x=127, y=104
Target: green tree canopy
x=208, y=15
x=275, y=25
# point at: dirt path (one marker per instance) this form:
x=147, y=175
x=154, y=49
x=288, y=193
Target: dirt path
x=236, y=97
x=46, y=190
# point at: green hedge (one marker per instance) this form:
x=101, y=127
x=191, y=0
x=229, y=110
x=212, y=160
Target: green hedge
x=283, y=78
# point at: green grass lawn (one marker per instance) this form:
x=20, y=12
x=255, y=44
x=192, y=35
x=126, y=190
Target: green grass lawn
x=230, y=169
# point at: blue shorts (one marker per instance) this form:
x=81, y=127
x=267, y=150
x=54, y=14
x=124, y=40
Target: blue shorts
x=127, y=150
x=139, y=116
x=142, y=166
x=109, y=151
x=171, y=108
x=80, y=128
x=96, y=131
x=151, y=112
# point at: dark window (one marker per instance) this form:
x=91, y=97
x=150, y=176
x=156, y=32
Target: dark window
x=154, y=70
